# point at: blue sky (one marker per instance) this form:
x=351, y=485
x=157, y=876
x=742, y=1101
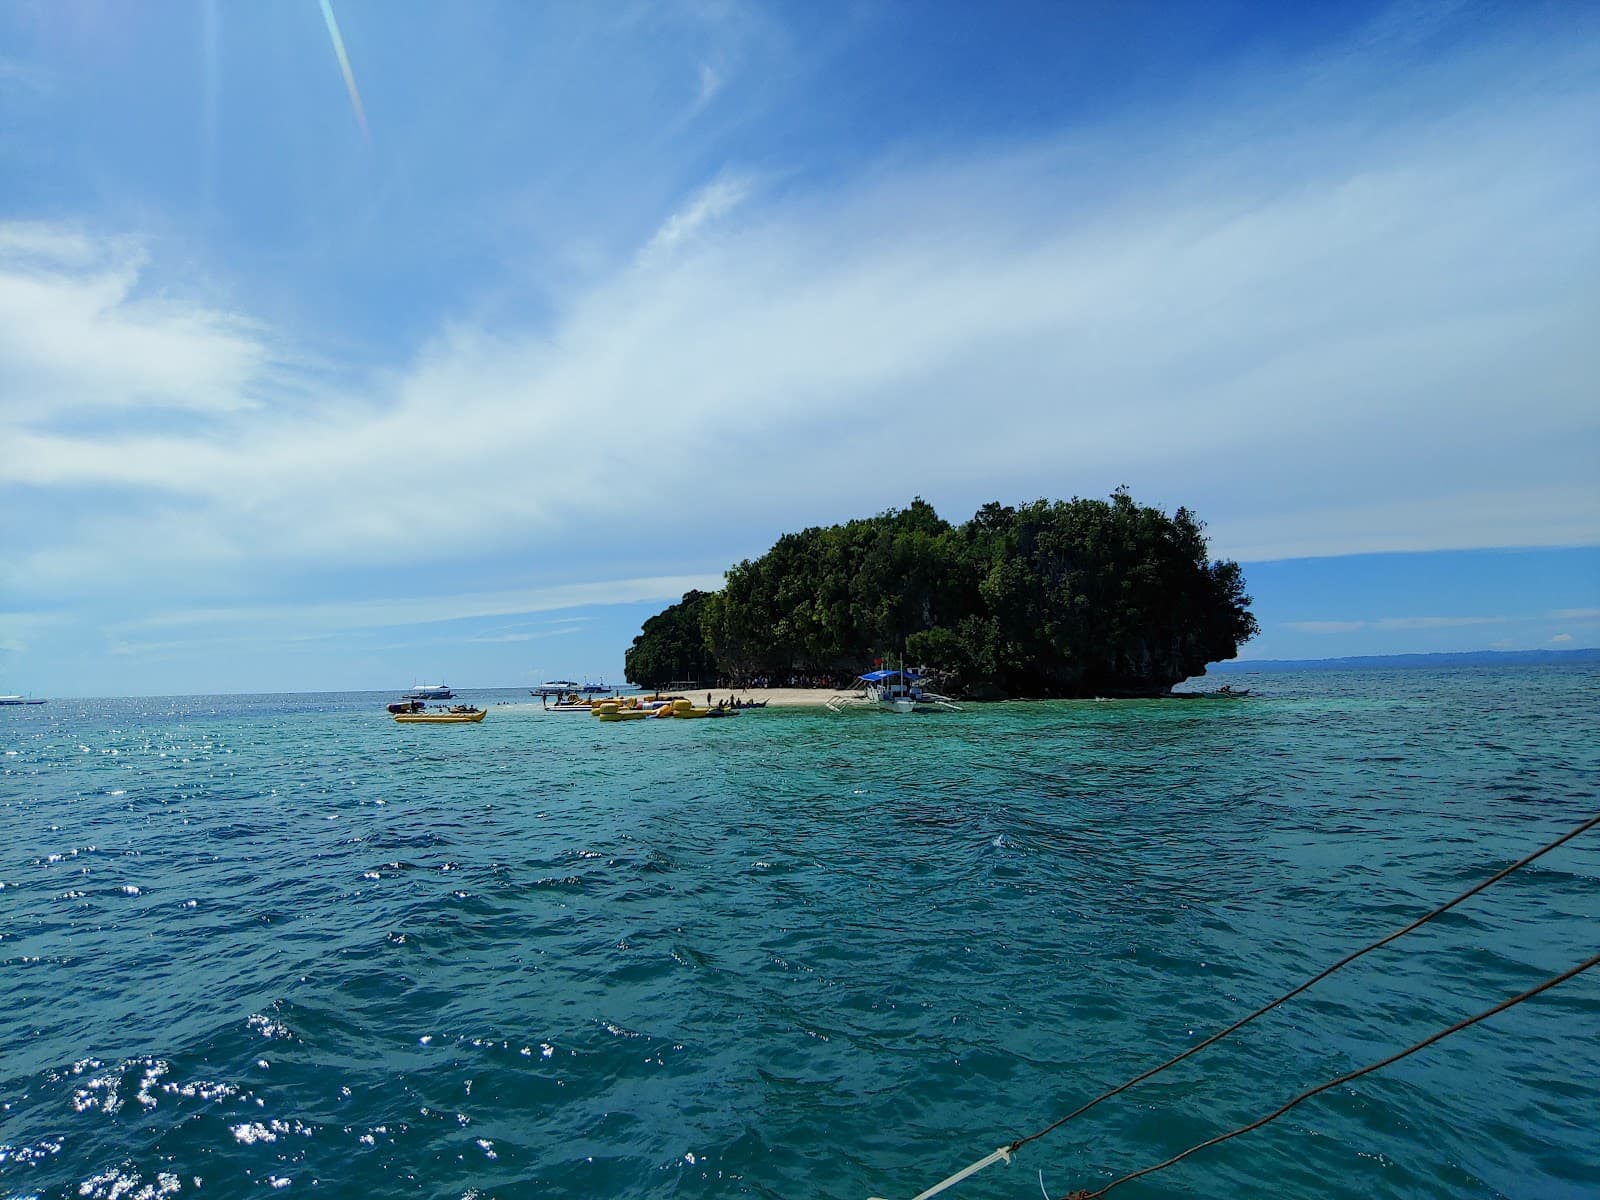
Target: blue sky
x=601, y=298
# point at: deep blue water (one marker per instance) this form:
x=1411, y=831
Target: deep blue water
x=252, y=943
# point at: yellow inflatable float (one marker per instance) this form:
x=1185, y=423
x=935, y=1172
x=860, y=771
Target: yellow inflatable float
x=612, y=710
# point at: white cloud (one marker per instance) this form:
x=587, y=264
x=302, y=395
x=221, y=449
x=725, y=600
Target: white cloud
x=424, y=610
x=1434, y=622
x=1562, y=637
x=711, y=203
x=75, y=335
x=19, y=629
x=1392, y=623
x=1323, y=343
x=710, y=85
x=1326, y=626
x=39, y=242
x=526, y=637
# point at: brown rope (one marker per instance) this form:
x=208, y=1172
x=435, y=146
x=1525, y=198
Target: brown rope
x=1317, y=978
x=1346, y=1078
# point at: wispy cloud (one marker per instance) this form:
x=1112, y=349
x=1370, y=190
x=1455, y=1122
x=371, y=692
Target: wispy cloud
x=1324, y=343
x=710, y=85
x=76, y=335
x=712, y=202
x=19, y=629
x=40, y=243
x=1434, y=622
x=492, y=638
x=424, y=610
x=1395, y=624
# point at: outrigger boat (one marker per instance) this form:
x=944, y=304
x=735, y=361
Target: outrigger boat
x=570, y=700
x=556, y=687
x=569, y=704
x=898, y=691
x=430, y=691
x=461, y=714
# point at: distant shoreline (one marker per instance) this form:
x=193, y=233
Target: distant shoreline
x=1452, y=658
x=813, y=697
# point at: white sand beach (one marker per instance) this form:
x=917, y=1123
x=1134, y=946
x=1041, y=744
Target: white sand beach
x=775, y=697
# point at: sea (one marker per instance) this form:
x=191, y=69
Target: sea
x=253, y=945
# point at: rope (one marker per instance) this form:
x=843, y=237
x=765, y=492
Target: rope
x=1346, y=1078
x=1005, y=1152
x=1317, y=978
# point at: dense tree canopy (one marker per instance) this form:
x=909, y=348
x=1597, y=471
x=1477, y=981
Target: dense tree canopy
x=671, y=647
x=1063, y=598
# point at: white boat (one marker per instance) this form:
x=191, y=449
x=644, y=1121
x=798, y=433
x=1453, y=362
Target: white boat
x=595, y=689
x=556, y=687
x=19, y=700
x=895, y=691
x=430, y=691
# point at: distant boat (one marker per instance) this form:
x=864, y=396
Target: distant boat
x=430, y=691
x=19, y=700
x=557, y=687
x=594, y=689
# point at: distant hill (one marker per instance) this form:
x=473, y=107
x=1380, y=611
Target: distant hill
x=1460, y=658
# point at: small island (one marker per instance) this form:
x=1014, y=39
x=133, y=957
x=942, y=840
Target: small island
x=1053, y=599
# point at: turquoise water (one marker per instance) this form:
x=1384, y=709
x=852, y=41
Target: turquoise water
x=250, y=943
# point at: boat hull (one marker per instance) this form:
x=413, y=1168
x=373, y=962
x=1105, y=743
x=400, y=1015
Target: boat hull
x=430, y=691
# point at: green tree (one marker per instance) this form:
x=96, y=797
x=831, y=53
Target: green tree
x=671, y=646
x=1052, y=598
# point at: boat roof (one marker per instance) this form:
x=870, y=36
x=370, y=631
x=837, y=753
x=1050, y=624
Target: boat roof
x=880, y=676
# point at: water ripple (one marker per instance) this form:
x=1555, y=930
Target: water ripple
x=280, y=942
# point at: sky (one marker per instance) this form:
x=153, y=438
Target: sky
x=346, y=345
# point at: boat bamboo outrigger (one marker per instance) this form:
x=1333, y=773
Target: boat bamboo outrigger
x=899, y=691
x=459, y=715
x=430, y=691
x=556, y=687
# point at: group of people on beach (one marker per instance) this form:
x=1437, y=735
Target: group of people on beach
x=815, y=680
x=733, y=703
